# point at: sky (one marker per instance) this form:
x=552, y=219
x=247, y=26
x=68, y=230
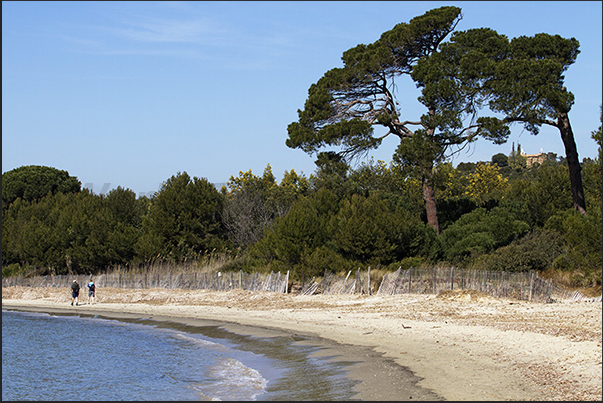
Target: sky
x=132, y=93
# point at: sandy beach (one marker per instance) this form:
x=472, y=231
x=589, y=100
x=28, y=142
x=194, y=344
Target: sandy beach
x=458, y=345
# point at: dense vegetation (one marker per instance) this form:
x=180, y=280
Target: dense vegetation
x=496, y=215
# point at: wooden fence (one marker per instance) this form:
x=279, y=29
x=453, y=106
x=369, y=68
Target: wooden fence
x=522, y=285
x=217, y=281
x=526, y=286
x=333, y=284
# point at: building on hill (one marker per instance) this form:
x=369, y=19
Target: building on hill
x=532, y=159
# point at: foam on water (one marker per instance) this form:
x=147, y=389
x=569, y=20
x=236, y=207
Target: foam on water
x=232, y=380
x=201, y=342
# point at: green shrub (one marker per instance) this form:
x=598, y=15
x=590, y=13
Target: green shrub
x=13, y=269
x=321, y=259
x=536, y=251
x=480, y=232
x=582, y=239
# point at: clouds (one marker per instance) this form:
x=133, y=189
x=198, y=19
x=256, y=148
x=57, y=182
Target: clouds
x=132, y=35
x=222, y=44
x=200, y=31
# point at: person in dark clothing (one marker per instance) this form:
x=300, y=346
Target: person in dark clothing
x=75, y=292
x=91, y=291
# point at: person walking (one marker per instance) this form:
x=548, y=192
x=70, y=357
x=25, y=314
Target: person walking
x=91, y=291
x=75, y=293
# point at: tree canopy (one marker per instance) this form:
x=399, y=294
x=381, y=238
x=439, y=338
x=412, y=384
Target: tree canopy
x=346, y=105
x=33, y=182
x=252, y=203
x=522, y=79
x=184, y=220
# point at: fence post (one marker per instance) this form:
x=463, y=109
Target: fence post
x=531, y=285
x=368, y=282
x=397, y=281
x=409, y=278
x=434, y=279
x=451, y=278
x=344, y=281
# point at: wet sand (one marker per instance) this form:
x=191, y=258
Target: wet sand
x=457, y=346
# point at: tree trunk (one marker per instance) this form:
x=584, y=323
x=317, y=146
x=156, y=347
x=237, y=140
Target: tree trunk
x=428, y=187
x=430, y=203
x=573, y=163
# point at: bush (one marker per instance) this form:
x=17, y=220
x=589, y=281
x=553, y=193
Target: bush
x=480, y=232
x=13, y=269
x=582, y=240
x=536, y=251
x=321, y=259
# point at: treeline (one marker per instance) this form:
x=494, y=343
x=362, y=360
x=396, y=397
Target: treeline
x=496, y=215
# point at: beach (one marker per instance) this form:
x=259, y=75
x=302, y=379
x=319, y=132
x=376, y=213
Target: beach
x=463, y=345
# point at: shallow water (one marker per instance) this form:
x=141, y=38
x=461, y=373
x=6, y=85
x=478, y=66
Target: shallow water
x=71, y=357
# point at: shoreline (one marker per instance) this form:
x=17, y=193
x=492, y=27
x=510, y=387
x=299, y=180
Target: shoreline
x=457, y=347
x=380, y=379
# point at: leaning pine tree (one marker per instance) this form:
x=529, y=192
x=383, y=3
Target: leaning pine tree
x=347, y=104
x=528, y=87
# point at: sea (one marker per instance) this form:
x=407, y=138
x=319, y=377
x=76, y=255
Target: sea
x=73, y=357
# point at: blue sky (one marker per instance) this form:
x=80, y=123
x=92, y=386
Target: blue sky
x=130, y=93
